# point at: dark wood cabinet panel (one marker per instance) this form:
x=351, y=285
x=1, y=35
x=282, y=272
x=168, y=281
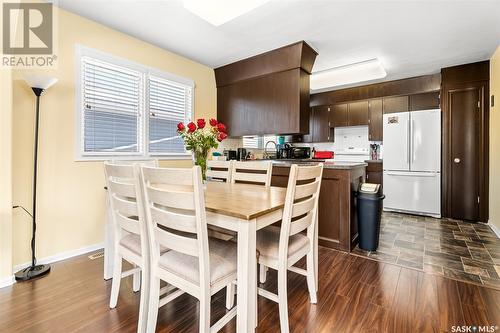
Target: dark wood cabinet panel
x=321, y=131
x=357, y=113
x=414, y=85
x=338, y=115
x=424, y=101
x=375, y=122
x=374, y=172
x=396, y=104
x=262, y=105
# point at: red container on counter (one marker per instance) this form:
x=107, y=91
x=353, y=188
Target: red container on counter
x=323, y=155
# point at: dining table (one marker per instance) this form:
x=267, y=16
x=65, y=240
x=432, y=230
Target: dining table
x=244, y=209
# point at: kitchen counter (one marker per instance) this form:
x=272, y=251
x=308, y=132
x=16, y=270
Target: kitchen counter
x=374, y=161
x=326, y=164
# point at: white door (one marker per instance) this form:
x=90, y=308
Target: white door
x=396, y=141
x=415, y=192
x=425, y=140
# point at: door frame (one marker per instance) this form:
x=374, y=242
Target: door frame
x=483, y=156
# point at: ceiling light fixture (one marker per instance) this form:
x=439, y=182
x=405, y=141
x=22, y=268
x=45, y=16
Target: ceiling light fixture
x=218, y=12
x=352, y=73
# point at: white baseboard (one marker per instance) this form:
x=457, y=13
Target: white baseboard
x=495, y=229
x=8, y=281
x=61, y=256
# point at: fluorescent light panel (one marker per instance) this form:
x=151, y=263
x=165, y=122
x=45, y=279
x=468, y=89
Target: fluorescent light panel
x=218, y=12
x=339, y=76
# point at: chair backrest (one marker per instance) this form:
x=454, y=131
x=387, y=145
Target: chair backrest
x=254, y=172
x=301, y=204
x=175, y=213
x=125, y=201
x=219, y=170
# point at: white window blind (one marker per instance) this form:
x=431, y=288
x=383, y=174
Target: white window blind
x=169, y=103
x=258, y=142
x=251, y=142
x=112, y=103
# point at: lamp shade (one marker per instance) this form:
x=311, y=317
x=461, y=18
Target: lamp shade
x=39, y=81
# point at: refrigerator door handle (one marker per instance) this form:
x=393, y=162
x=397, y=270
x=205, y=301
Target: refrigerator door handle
x=407, y=143
x=412, y=147
x=413, y=174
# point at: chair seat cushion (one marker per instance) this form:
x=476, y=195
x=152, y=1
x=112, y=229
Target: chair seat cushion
x=222, y=262
x=268, y=240
x=132, y=242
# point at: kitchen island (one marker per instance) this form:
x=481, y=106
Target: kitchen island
x=338, y=226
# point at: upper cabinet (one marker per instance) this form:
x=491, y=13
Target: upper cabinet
x=375, y=121
x=338, y=115
x=425, y=101
x=357, y=113
x=268, y=93
x=396, y=104
x=319, y=131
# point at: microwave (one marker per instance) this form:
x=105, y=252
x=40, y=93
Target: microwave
x=301, y=153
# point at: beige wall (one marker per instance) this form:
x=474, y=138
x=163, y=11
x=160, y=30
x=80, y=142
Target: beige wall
x=495, y=140
x=5, y=174
x=71, y=196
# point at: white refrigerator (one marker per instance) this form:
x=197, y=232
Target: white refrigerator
x=412, y=162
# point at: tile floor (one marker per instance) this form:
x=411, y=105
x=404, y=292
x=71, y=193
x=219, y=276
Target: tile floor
x=459, y=250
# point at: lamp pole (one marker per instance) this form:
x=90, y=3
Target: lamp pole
x=34, y=270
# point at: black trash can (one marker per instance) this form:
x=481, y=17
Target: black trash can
x=369, y=206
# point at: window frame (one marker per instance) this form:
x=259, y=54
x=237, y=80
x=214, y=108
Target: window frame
x=144, y=112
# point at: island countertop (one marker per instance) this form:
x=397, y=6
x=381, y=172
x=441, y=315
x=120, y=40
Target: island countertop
x=326, y=164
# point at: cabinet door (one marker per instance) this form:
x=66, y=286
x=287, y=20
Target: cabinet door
x=308, y=138
x=321, y=130
x=375, y=124
x=425, y=101
x=338, y=115
x=357, y=113
x=396, y=104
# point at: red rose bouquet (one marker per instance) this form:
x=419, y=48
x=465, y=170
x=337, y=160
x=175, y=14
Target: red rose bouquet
x=200, y=139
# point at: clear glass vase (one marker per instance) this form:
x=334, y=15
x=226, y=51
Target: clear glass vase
x=200, y=158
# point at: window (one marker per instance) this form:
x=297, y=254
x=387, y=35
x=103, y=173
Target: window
x=259, y=142
x=129, y=110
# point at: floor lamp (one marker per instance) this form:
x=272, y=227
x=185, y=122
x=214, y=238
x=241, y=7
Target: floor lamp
x=39, y=84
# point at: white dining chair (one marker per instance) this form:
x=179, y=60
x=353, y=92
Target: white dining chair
x=281, y=247
x=176, y=219
x=130, y=232
x=219, y=170
x=254, y=172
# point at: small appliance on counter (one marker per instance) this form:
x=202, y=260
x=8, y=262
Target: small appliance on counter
x=284, y=151
x=301, y=153
x=230, y=154
x=323, y=155
x=241, y=154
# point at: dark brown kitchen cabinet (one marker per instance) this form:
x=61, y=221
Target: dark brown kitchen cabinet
x=396, y=104
x=425, y=101
x=374, y=172
x=357, y=113
x=338, y=115
x=375, y=120
x=321, y=131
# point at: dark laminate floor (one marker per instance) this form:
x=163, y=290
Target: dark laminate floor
x=459, y=250
x=355, y=295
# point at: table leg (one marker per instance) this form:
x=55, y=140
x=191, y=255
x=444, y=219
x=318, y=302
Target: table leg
x=247, y=277
x=108, y=242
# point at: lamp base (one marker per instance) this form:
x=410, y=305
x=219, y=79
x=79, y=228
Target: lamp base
x=32, y=272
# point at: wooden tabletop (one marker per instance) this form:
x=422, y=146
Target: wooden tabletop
x=243, y=201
